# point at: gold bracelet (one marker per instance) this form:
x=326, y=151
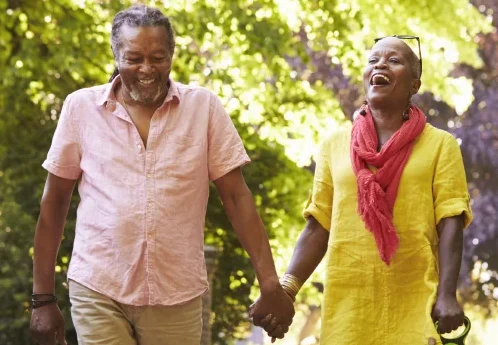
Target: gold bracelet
x=291, y=284
x=292, y=297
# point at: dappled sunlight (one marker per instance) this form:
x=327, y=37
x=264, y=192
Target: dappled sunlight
x=288, y=73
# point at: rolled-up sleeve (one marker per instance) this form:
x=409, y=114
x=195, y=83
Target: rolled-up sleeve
x=64, y=156
x=226, y=151
x=451, y=196
x=319, y=204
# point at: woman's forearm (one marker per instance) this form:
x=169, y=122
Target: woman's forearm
x=450, y=254
x=309, y=251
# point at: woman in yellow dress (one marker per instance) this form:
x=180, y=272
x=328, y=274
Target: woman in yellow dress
x=388, y=206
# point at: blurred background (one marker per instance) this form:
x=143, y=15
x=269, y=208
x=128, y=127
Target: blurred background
x=287, y=72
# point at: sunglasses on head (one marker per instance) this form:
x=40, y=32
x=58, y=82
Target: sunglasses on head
x=407, y=37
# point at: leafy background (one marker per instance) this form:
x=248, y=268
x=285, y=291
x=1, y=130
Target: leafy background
x=287, y=71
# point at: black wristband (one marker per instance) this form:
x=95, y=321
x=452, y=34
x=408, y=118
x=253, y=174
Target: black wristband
x=41, y=299
x=38, y=304
x=43, y=296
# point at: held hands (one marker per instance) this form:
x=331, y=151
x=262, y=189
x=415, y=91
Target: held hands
x=448, y=313
x=273, y=311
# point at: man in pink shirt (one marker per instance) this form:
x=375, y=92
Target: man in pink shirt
x=144, y=149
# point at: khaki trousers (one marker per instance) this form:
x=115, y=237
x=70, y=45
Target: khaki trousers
x=99, y=320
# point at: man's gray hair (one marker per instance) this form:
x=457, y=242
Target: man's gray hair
x=140, y=16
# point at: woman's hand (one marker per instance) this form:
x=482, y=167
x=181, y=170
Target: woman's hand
x=448, y=313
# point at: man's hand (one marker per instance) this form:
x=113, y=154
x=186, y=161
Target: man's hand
x=47, y=320
x=273, y=311
x=47, y=325
x=448, y=313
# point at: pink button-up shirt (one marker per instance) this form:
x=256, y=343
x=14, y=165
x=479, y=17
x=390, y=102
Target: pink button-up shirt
x=140, y=223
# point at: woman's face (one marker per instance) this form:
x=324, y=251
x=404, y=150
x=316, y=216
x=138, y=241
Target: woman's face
x=389, y=77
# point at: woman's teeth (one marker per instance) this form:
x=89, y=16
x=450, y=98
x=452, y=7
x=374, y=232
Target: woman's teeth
x=380, y=79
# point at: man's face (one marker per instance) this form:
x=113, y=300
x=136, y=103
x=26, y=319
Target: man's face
x=144, y=61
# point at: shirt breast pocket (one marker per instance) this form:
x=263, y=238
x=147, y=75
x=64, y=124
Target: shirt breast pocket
x=183, y=157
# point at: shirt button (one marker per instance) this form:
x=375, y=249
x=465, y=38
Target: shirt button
x=149, y=175
x=111, y=105
x=139, y=147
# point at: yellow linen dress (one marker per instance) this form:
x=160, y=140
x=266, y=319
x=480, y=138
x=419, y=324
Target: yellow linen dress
x=367, y=302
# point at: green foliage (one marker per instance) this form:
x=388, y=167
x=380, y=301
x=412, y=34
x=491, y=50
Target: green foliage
x=256, y=56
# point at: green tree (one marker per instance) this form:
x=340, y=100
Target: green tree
x=278, y=65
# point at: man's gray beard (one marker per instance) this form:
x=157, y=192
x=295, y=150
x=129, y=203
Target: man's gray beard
x=137, y=97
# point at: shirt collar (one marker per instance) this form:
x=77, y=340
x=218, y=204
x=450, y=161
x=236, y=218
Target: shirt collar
x=173, y=93
x=109, y=95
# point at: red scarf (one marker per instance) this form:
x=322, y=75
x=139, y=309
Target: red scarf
x=377, y=191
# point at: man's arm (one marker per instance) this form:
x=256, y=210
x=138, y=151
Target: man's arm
x=48, y=235
x=447, y=310
x=241, y=210
x=47, y=323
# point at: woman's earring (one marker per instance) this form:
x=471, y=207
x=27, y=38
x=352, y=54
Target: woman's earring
x=406, y=114
x=363, y=112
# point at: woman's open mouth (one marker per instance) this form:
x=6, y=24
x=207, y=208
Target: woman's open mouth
x=379, y=79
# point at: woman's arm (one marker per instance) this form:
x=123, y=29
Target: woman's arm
x=309, y=251
x=447, y=311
